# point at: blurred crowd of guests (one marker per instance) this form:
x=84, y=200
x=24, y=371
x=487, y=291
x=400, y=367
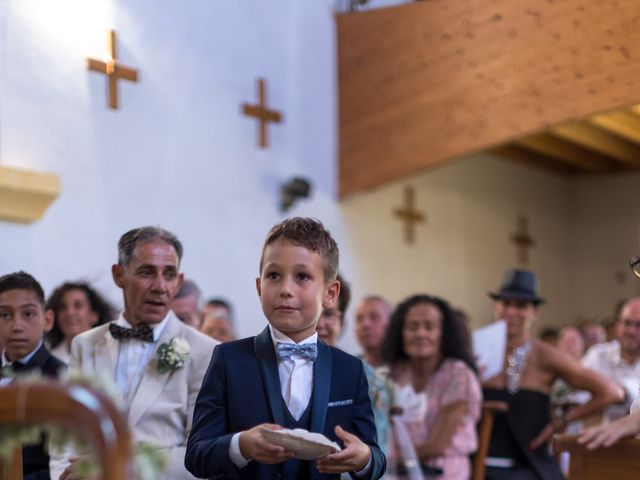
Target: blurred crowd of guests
x=425, y=385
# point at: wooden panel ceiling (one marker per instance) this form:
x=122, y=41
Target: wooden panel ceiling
x=425, y=83
x=603, y=143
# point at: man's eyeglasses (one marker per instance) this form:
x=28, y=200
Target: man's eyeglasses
x=634, y=263
x=627, y=323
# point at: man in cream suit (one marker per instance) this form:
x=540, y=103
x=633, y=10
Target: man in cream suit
x=156, y=361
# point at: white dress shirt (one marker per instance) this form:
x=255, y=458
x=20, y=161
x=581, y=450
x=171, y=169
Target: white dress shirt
x=296, y=375
x=605, y=359
x=296, y=385
x=133, y=357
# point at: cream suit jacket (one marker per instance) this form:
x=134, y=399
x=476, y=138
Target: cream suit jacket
x=161, y=410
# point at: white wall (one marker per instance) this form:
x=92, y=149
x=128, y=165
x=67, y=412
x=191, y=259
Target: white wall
x=607, y=216
x=585, y=228
x=179, y=154
x=463, y=250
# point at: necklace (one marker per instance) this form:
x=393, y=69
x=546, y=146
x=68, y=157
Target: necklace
x=517, y=360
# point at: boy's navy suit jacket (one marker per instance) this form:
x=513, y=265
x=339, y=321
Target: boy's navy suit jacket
x=35, y=459
x=241, y=389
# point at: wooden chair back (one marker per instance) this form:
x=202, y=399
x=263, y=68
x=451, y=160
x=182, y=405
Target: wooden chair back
x=485, y=427
x=619, y=462
x=88, y=413
x=12, y=470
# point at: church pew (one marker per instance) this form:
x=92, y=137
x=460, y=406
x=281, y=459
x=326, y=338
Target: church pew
x=13, y=471
x=619, y=462
x=485, y=427
x=90, y=414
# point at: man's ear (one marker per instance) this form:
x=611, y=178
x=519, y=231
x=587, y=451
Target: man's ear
x=180, y=281
x=49, y=319
x=117, y=272
x=331, y=295
x=258, y=287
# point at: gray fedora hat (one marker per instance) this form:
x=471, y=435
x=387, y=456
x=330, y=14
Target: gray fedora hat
x=519, y=285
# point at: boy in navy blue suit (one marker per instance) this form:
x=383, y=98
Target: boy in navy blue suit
x=23, y=321
x=284, y=377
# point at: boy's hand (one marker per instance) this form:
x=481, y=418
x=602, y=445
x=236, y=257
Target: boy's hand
x=254, y=446
x=353, y=458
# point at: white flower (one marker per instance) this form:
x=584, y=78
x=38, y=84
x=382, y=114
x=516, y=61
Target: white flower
x=181, y=347
x=172, y=355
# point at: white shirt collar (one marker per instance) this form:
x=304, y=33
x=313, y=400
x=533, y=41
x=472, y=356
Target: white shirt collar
x=24, y=360
x=616, y=359
x=616, y=355
x=157, y=328
x=278, y=336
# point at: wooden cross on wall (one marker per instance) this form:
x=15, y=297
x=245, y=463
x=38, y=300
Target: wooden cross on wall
x=113, y=70
x=262, y=113
x=523, y=240
x=409, y=215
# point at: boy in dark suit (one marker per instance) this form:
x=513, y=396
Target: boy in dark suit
x=23, y=322
x=285, y=377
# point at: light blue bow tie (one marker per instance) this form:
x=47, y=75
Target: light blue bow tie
x=308, y=351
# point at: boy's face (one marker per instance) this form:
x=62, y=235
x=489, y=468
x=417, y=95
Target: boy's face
x=23, y=321
x=292, y=289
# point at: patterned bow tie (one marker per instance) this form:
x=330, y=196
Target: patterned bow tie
x=308, y=351
x=143, y=332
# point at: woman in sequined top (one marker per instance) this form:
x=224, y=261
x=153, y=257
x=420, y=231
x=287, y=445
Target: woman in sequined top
x=519, y=441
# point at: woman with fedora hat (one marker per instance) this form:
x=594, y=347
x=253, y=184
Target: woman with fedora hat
x=519, y=442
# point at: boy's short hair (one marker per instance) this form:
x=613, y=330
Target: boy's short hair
x=22, y=281
x=310, y=234
x=344, y=297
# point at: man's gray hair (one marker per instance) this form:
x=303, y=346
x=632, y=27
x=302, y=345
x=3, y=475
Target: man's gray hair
x=378, y=298
x=130, y=240
x=188, y=288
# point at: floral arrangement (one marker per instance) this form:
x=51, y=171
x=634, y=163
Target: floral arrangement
x=173, y=355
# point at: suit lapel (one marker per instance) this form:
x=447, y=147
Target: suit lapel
x=38, y=360
x=153, y=382
x=321, y=387
x=106, y=354
x=266, y=355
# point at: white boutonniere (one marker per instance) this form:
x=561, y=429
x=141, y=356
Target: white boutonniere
x=173, y=355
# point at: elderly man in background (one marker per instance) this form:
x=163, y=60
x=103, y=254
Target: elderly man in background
x=186, y=304
x=373, y=314
x=619, y=359
x=372, y=320
x=217, y=320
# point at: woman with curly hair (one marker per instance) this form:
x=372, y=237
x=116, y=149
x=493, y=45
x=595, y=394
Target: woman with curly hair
x=77, y=308
x=428, y=349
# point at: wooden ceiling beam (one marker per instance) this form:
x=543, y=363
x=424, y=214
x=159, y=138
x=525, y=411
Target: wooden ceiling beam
x=623, y=123
x=550, y=146
x=527, y=157
x=599, y=140
x=635, y=109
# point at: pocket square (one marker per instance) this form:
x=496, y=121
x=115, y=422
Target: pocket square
x=340, y=403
